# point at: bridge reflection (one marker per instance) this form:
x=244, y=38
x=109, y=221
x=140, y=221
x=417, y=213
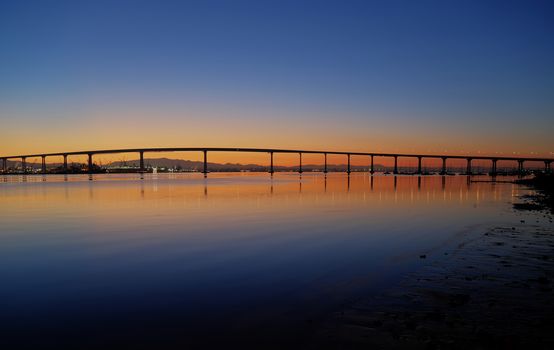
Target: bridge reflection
x=189, y=188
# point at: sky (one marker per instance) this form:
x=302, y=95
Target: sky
x=455, y=77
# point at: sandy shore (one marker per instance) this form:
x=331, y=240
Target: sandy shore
x=490, y=292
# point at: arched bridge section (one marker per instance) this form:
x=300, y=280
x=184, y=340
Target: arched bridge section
x=271, y=151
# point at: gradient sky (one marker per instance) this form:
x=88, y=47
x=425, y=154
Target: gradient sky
x=409, y=76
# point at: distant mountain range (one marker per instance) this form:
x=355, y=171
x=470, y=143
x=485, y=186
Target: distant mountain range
x=192, y=165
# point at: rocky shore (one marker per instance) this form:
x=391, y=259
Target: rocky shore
x=543, y=199
x=493, y=291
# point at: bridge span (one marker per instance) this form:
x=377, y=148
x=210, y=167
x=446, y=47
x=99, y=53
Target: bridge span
x=272, y=151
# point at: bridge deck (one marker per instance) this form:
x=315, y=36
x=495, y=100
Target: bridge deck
x=273, y=150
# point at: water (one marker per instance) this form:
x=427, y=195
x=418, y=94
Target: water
x=182, y=260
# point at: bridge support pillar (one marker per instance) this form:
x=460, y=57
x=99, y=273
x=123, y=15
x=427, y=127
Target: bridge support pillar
x=547, y=166
x=271, y=162
x=325, y=163
x=90, y=164
x=395, y=165
x=205, y=170
x=43, y=167
x=443, y=170
x=520, y=168
x=65, y=163
x=24, y=165
x=419, y=165
x=348, y=168
x=372, y=169
x=300, y=163
x=493, y=169
x=4, y=165
x=468, y=170
x=142, y=162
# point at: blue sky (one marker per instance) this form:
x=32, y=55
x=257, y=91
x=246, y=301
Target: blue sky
x=456, y=67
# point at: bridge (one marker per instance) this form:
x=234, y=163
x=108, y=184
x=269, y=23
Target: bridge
x=270, y=151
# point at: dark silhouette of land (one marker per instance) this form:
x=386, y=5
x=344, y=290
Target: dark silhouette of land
x=183, y=165
x=544, y=198
x=191, y=165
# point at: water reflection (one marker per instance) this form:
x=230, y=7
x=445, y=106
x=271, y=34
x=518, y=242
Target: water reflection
x=186, y=184
x=182, y=255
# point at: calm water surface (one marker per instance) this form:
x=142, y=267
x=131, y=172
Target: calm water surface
x=179, y=259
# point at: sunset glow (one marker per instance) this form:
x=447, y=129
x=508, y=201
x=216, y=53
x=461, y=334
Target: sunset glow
x=190, y=80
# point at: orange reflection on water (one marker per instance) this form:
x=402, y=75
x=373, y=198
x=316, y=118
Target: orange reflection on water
x=231, y=193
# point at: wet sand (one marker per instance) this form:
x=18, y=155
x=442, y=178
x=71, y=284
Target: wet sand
x=493, y=291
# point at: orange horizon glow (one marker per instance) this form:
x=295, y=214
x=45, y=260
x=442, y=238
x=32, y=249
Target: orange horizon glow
x=113, y=128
